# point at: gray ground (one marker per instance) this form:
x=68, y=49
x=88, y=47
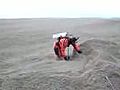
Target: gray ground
x=27, y=60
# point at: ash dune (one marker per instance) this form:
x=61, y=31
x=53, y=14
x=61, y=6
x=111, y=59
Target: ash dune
x=27, y=60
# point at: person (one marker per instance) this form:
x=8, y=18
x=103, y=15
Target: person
x=63, y=42
x=72, y=42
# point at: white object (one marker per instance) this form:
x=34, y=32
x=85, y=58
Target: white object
x=69, y=51
x=63, y=34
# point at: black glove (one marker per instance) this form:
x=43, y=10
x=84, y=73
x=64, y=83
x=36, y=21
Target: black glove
x=74, y=39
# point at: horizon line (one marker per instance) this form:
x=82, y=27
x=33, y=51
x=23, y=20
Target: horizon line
x=59, y=17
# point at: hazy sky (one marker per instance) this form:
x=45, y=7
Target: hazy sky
x=59, y=8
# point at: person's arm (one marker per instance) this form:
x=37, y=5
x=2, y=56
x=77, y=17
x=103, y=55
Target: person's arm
x=74, y=39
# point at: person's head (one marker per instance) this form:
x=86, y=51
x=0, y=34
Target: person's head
x=59, y=38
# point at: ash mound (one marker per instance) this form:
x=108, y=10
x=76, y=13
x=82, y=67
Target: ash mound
x=101, y=71
x=97, y=68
